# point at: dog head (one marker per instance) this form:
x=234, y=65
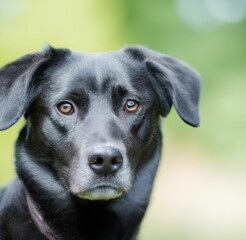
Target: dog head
x=93, y=118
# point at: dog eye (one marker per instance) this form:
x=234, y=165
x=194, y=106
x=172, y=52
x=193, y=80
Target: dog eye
x=65, y=108
x=131, y=105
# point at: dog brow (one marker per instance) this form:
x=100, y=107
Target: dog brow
x=105, y=84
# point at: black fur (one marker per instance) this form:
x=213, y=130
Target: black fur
x=53, y=149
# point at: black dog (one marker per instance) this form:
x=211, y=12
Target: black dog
x=88, y=153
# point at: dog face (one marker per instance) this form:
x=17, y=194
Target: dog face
x=94, y=115
x=93, y=119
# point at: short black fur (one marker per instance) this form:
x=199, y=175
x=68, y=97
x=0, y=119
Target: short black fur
x=89, y=174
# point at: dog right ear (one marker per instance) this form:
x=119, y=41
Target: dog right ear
x=16, y=85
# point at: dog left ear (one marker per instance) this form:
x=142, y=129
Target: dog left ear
x=174, y=82
x=16, y=85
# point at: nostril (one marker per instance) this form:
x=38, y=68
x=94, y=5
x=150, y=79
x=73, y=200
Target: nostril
x=95, y=160
x=116, y=161
x=98, y=161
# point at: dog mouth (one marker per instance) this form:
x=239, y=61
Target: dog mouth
x=101, y=193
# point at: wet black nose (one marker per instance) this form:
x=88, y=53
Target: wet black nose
x=107, y=161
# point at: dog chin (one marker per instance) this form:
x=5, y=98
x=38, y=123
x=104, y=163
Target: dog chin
x=102, y=193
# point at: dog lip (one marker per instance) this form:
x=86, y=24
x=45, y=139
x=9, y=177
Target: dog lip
x=101, y=192
x=104, y=186
x=93, y=187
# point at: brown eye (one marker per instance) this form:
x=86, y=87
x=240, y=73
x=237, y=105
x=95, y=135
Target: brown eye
x=65, y=108
x=131, y=105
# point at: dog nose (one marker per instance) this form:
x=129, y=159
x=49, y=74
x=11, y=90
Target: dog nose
x=106, y=162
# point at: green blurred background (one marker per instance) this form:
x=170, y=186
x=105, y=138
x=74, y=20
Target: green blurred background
x=200, y=190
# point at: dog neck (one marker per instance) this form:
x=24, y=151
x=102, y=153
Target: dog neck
x=38, y=219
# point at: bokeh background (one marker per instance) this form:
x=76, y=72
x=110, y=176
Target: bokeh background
x=200, y=190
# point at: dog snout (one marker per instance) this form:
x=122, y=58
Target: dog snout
x=105, y=161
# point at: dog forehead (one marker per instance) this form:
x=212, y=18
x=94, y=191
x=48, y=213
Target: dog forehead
x=92, y=71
